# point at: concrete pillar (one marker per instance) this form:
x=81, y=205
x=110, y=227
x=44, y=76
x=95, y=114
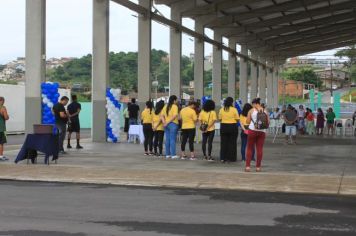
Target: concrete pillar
x=198, y=63
x=175, y=55
x=100, y=67
x=262, y=81
x=144, y=55
x=231, y=84
x=269, y=82
x=217, y=69
x=275, y=87
x=243, y=75
x=254, y=83
x=35, y=61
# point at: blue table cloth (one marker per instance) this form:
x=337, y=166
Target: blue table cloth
x=46, y=143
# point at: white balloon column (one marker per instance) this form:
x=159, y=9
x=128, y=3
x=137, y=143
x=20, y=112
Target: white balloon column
x=113, y=107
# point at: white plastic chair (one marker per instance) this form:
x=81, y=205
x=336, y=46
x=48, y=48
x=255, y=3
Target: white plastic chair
x=278, y=129
x=272, y=126
x=339, y=127
x=349, y=129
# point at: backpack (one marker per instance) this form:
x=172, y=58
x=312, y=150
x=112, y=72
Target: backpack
x=261, y=120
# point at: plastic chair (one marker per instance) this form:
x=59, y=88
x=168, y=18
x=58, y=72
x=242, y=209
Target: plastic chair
x=338, y=127
x=279, y=123
x=349, y=129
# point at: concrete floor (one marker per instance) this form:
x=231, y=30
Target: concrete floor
x=42, y=209
x=316, y=165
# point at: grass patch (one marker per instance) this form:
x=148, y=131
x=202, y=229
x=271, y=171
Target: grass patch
x=346, y=97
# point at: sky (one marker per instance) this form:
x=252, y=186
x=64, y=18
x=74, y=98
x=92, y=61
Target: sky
x=69, y=30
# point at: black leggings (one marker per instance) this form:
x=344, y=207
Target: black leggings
x=188, y=134
x=158, y=141
x=208, y=137
x=148, y=133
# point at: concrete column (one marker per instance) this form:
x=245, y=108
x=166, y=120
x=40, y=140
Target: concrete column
x=231, y=84
x=262, y=81
x=100, y=67
x=144, y=55
x=269, y=81
x=254, y=83
x=35, y=61
x=198, y=63
x=243, y=75
x=175, y=55
x=217, y=69
x=275, y=86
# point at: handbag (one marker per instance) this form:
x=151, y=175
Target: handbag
x=204, y=126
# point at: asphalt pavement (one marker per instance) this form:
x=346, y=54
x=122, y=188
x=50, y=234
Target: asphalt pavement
x=57, y=209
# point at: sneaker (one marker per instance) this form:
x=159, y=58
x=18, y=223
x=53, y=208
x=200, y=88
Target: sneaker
x=79, y=147
x=146, y=154
x=168, y=157
x=3, y=159
x=183, y=158
x=69, y=146
x=175, y=157
x=63, y=152
x=192, y=159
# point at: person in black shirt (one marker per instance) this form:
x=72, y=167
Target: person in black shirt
x=61, y=118
x=74, y=125
x=133, y=110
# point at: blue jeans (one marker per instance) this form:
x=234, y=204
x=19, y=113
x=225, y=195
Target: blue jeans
x=244, y=146
x=171, y=137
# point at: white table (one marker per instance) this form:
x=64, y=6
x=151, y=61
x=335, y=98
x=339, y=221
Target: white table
x=136, y=131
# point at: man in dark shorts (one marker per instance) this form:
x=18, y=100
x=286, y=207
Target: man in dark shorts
x=61, y=118
x=3, y=118
x=74, y=124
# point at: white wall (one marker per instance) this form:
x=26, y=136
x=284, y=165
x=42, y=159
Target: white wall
x=15, y=103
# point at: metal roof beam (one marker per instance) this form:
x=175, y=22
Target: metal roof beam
x=230, y=19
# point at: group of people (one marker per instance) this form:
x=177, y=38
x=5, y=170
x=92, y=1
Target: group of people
x=303, y=121
x=165, y=120
x=67, y=120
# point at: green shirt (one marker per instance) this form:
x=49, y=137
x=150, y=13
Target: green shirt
x=330, y=117
x=2, y=124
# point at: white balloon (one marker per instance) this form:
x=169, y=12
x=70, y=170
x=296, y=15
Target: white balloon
x=50, y=104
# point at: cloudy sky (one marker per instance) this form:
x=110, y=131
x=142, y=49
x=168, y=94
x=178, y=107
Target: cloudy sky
x=69, y=30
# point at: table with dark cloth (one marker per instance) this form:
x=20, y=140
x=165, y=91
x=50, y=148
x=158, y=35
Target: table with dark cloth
x=45, y=143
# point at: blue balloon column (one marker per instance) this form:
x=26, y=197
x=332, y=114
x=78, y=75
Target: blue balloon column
x=50, y=97
x=238, y=105
x=113, y=107
x=204, y=99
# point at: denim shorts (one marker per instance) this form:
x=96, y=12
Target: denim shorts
x=291, y=130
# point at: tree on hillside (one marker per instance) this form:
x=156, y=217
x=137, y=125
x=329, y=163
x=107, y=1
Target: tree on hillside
x=350, y=53
x=304, y=74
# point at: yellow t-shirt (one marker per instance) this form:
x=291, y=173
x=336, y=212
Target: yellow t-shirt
x=156, y=120
x=146, y=116
x=228, y=117
x=189, y=118
x=243, y=120
x=172, y=112
x=204, y=117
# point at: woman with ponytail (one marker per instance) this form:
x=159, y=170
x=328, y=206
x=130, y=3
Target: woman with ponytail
x=170, y=123
x=146, y=117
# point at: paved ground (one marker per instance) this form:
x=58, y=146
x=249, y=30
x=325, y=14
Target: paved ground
x=42, y=209
x=315, y=165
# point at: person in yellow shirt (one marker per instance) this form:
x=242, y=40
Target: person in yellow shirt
x=189, y=119
x=158, y=130
x=170, y=123
x=244, y=132
x=228, y=117
x=146, y=117
x=207, y=118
